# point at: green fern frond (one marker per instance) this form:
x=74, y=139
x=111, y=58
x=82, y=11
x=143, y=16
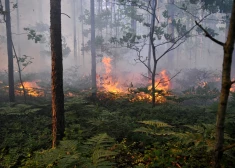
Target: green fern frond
x=144, y=130
x=99, y=145
x=155, y=123
x=99, y=157
x=64, y=156
x=150, y=131
x=100, y=141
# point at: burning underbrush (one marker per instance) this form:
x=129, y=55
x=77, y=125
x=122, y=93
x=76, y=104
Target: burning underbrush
x=113, y=84
x=127, y=86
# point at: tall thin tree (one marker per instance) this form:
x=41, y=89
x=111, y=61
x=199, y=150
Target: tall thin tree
x=93, y=49
x=226, y=85
x=10, y=52
x=82, y=27
x=18, y=28
x=170, y=30
x=228, y=47
x=58, y=125
x=74, y=31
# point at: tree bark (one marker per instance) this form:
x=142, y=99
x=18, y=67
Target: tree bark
x=226, y=84
x=18, y=28
x=82, y=26
x=133, y=21
x=74, y=32
x=58, y=125
x=154, y=5
x=93, y=50
x=10, y=53
x=170, y=31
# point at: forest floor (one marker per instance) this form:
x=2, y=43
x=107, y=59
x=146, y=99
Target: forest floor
x=114, y=132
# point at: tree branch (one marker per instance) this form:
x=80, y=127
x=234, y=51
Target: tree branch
x=228, y=147
x=65, y=14
x=209, y=36
x=232, y=82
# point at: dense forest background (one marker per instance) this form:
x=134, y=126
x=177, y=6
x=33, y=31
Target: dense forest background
x=117, y=83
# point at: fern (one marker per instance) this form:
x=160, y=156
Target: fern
x=156, y=128
x=99, y=146
x=65, y=156
x=155, y=123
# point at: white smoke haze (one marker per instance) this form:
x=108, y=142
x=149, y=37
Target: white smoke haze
x=204, y=55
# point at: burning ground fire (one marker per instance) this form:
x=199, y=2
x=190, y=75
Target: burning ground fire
x=32, y=89
x=107, y=83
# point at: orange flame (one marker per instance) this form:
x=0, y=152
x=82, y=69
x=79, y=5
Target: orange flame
x=162, y=85
x=32, y=89
x=106, y=83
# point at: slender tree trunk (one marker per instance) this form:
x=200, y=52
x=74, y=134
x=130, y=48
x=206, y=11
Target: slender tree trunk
x=78, y=36
x=10, y=53
x=40, y=3
x=133, y=21
x=149, y=59
x=115, y=17
x=150, y=46
x=74, y=32
x=58, y=125
x=83, y=54
x=170, y=30
x=154, y=4
x=226, y=84
x=18, y=28
x=106, y=28
x=19, y=70
x=111, y=23
x=93, y=49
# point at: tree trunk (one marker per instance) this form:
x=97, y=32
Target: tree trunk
x=226, y=84
x=83, y=54
x=170, y=31
x=106, y=27
x=74, y=32
x=40, y=3
x=133, y=21
x=93, y=50
x=149, y=59
x=58, y=125
x=18, y=29
x=154, y=4
x=10, y=53
x=150, y=46
x=111, y=22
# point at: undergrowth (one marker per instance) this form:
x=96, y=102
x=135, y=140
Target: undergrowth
x=113, y=133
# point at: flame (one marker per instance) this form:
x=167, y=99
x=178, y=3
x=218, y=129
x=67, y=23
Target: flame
x=162, y=85
x=32, y=89
x=107, y=83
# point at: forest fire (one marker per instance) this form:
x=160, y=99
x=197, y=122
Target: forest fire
x=162, y=85
x=31, y=88
x=107, y=83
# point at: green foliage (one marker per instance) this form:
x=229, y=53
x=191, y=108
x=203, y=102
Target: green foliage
x=167, y=135
x=32, y=35
x=64, y=156
x=24, y=129
x=98, y=148
x=44, y=38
